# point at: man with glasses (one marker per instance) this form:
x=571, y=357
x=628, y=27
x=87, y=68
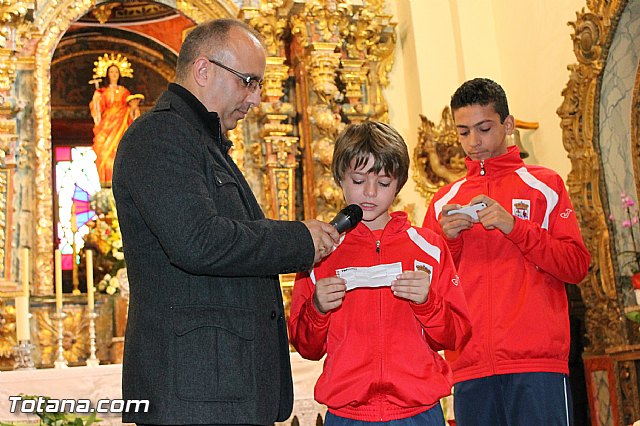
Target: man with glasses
x=206, y=340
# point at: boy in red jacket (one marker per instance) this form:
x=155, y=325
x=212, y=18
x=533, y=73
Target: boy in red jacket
x=384, y=302
x=514, y=261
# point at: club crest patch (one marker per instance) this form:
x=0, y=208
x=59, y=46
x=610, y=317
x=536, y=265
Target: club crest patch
x=421, y=266
x=521, y=208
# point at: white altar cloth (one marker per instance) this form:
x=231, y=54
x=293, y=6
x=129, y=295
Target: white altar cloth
x=105, y=382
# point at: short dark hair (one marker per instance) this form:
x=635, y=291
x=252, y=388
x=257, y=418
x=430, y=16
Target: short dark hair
x=208, y=38
x=386, y=145
x=481, y=91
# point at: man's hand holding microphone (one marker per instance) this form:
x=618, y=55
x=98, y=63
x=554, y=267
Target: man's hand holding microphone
x=327, y=235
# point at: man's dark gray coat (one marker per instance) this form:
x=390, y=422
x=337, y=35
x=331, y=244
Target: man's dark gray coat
x=206, y=339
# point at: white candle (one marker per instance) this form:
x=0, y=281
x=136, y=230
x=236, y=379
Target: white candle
x=22, y=318
x=90, y=298
x=23, y=331
x=58, y=268
x=24, y=274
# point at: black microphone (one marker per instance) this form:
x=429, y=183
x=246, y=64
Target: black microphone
x=347, y=218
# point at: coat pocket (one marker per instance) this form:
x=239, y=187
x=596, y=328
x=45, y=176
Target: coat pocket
x=214, y=358
x=227, y=194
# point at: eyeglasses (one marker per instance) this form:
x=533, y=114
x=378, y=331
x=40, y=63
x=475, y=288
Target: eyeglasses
x=250, y=82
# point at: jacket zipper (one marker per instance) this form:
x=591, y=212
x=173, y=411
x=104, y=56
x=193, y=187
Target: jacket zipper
x=380, y=328
x=490, y=281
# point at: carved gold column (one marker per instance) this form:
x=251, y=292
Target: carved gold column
x=319, y=28
x=280, y=162
x=338, y=52
x=369, y=47
x=15, y=27
x=8, y=63
x=353, y=74
x=16, y=17
x=9, y=286
x=279, y=146
x=325, y=121
x=8, y=138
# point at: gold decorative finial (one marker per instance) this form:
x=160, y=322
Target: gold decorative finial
x=103, y=12
x=105, y=61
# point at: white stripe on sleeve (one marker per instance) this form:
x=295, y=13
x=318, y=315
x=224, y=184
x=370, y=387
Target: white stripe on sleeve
x=447, y=197
x=430, y=249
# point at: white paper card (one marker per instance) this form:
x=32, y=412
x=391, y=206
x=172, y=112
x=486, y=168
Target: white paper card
x=372, y=276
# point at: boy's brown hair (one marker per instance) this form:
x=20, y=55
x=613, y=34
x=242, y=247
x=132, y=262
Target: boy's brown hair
x=357, y=141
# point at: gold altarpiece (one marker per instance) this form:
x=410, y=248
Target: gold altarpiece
x=327, y=64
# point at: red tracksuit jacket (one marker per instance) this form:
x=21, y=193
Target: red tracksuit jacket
x=381, y=361
x=515, y=284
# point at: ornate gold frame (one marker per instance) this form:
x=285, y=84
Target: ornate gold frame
x=609, y=334
x=594, y=31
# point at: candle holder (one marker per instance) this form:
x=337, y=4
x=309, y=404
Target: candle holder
x=92, y=361
x=22, y=355
x=60, y=362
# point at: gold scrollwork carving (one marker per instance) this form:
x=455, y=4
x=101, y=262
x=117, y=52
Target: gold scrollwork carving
x=280, y=164
x=7, y=334
x=5, y=193
x=16, y=21
x=353, y=74
x=628, y=379
x=324, y=63
x=323, y=21
x=284, y=181
x=438, y=158
x=103, y=12
x=577, y=113
x=276, y=74
x=588, y=38
x=265, y=20
x=75, y=341
x=8, y=65
x=635, y=129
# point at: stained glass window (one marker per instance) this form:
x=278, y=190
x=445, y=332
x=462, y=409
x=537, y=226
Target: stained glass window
x=76, y=179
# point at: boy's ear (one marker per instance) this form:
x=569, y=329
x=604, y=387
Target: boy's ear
x=509, y=124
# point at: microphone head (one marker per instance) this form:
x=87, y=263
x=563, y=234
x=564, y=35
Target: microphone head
x=347, y=218
x=354, y=212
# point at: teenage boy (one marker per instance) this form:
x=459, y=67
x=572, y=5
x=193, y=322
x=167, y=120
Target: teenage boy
x=514, y=261
x=384, y=302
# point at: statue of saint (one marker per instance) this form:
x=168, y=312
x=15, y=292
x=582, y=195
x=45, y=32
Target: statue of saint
x=113, y=109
